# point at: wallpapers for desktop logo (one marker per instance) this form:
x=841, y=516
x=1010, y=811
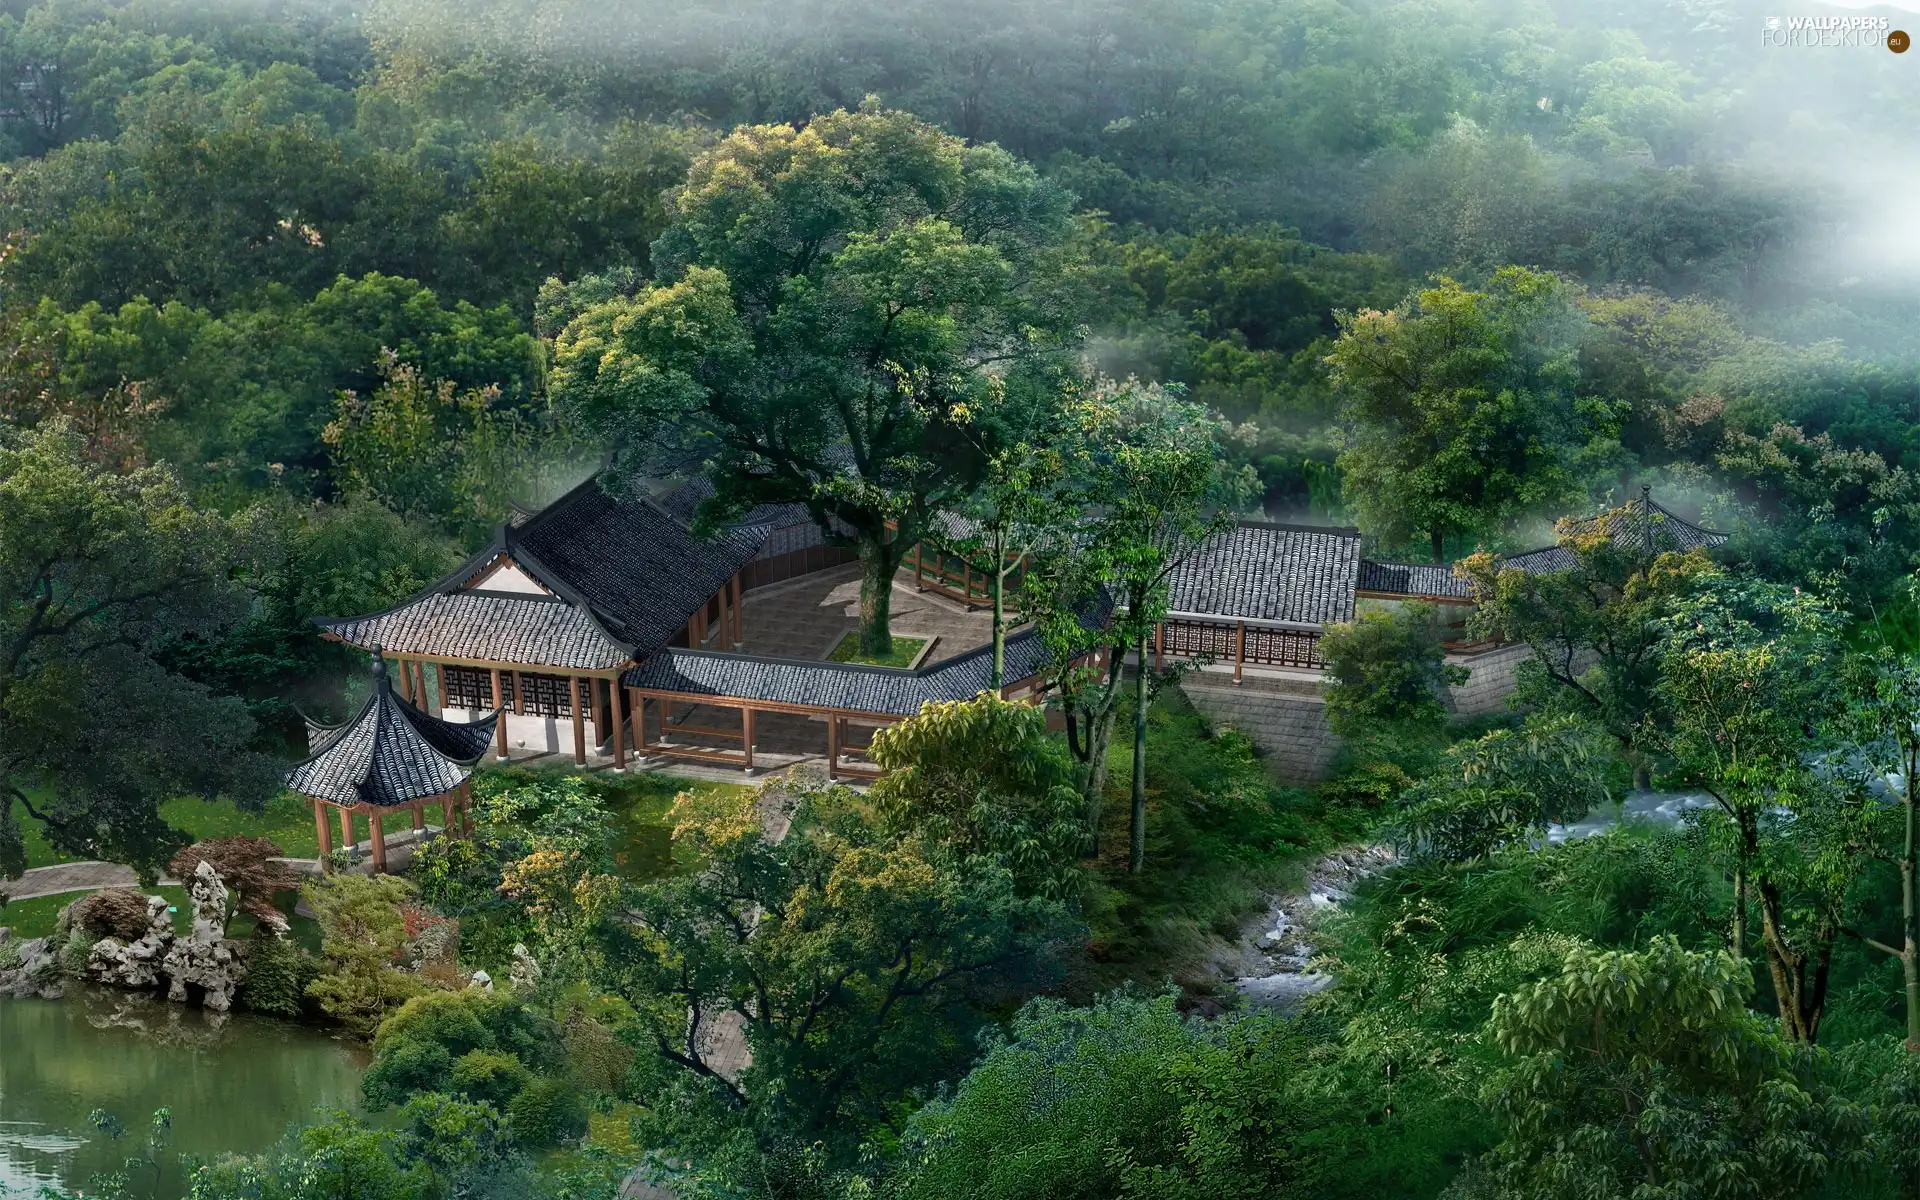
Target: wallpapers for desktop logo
x=1872, y=32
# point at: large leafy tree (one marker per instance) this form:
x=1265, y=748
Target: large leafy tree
x=1460, y=409
x=1595, y=628
x=833, y=306
x=1642, y=1073
x=857, y=964
x=1149, y=475
x=99, y=575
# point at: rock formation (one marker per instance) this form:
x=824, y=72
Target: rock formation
x=208, y=959
x=525, y=972
x=29, y=967
x=134, y=964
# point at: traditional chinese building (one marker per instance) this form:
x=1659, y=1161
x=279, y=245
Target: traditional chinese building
x=390, y=757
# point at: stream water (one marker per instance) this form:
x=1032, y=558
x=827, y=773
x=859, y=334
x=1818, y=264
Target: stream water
x=234, y=1084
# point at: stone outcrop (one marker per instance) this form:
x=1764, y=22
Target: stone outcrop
x=29, y=967
x=207, y=960
x=136, y=963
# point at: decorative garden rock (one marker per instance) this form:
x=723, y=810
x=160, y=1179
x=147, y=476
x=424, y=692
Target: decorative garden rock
x=37, y=972
x=524, y=974
x=134, y=964
x=208, y=959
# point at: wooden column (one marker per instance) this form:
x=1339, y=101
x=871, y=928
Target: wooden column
x=422, y=695
x=833, y=747
x=617, y=715
x=599, y=712
x=700, y=627
x=637, y=716
x=579, y=722
x=746, y=735
x=322, y=831
x=500, y=726
x=419, y=816
x=1239, y=648
x=405, y=670
x=379, y=844
x=519, y=695
x=346, y=831
x=739, y=612
x=919, y=569
x=436, y=697
x=1159, y=645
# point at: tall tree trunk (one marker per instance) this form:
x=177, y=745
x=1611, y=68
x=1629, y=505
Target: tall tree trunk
x=1910, y=910
x=1139, y=826
x=1740, y=911
x=1100, y=721
x=878, y=561
x=1439, y=537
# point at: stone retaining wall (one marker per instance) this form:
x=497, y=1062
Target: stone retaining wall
x=1286, y=717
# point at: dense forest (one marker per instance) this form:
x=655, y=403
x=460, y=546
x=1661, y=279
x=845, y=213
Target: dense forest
x=299, y=300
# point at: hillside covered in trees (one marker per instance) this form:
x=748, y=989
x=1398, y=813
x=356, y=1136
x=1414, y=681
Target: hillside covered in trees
x=299, y=301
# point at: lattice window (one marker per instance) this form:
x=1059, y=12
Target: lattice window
x=1265, y=647
x=550, y=695
x=467, y=688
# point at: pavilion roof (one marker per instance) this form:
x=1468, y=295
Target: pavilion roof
x=390, y=753
x=1641, y=524
x=619, y=577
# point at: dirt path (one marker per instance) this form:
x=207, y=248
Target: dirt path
x=69, y=877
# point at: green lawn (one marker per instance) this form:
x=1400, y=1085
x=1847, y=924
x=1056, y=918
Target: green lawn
x=904, y=649
x=287, y=819
x=640, y=800
x=34, y=918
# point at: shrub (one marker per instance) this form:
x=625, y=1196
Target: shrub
x=278, y=973
x=490, y=1077
x=115, y=912
x=548, y=1112
x=362, y=937
x=406, y=1070
x=599, y=1060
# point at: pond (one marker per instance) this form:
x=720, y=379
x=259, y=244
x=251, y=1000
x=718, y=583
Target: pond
x=234, y=1084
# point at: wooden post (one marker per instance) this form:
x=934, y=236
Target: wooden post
x=746, y=735
x=618, y=717
x=419, y=817
x=429, y=700
x=919, y=570
x=379, y=843
x=519, y=694
x=579, y=723
x=1159, y=645
x=1239, y=648
x=405, y=670
x=599, y=712
x=346, y=831
x=322, y=831
x=500, y=725
x=637, y=714
x=739, y=611
x=833, y=747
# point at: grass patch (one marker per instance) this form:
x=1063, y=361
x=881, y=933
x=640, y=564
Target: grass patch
x=904, y=651
x=1222, y=835
x=639, y=801
x=35, y=918
x=287, y=819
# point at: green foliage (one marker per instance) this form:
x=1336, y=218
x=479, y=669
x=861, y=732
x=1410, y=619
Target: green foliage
x=983, y=779
x=1645, y=1069
x=489, y=1077
x=858, y=965
x=1504, y=789
x=1461, y=412
x=362, y=935
x=278, y=975
x=815, y=332
x=1387, y=672
x=100, y=572
x=548, y=1112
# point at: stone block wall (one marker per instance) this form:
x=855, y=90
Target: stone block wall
x=1286, y=717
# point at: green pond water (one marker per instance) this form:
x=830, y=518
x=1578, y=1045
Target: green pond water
x=234, y=1084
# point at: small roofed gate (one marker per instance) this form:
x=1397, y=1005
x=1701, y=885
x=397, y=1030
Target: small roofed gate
x=1240, y=643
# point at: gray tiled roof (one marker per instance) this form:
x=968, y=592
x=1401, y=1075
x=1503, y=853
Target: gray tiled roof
x=487, y=627
x=849, y=686
x=390, y=753
x=641, y=572
x=625, y=575
x=681, y=502
x=1413, y=579
x=1642, y=524
x=1290, y=573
